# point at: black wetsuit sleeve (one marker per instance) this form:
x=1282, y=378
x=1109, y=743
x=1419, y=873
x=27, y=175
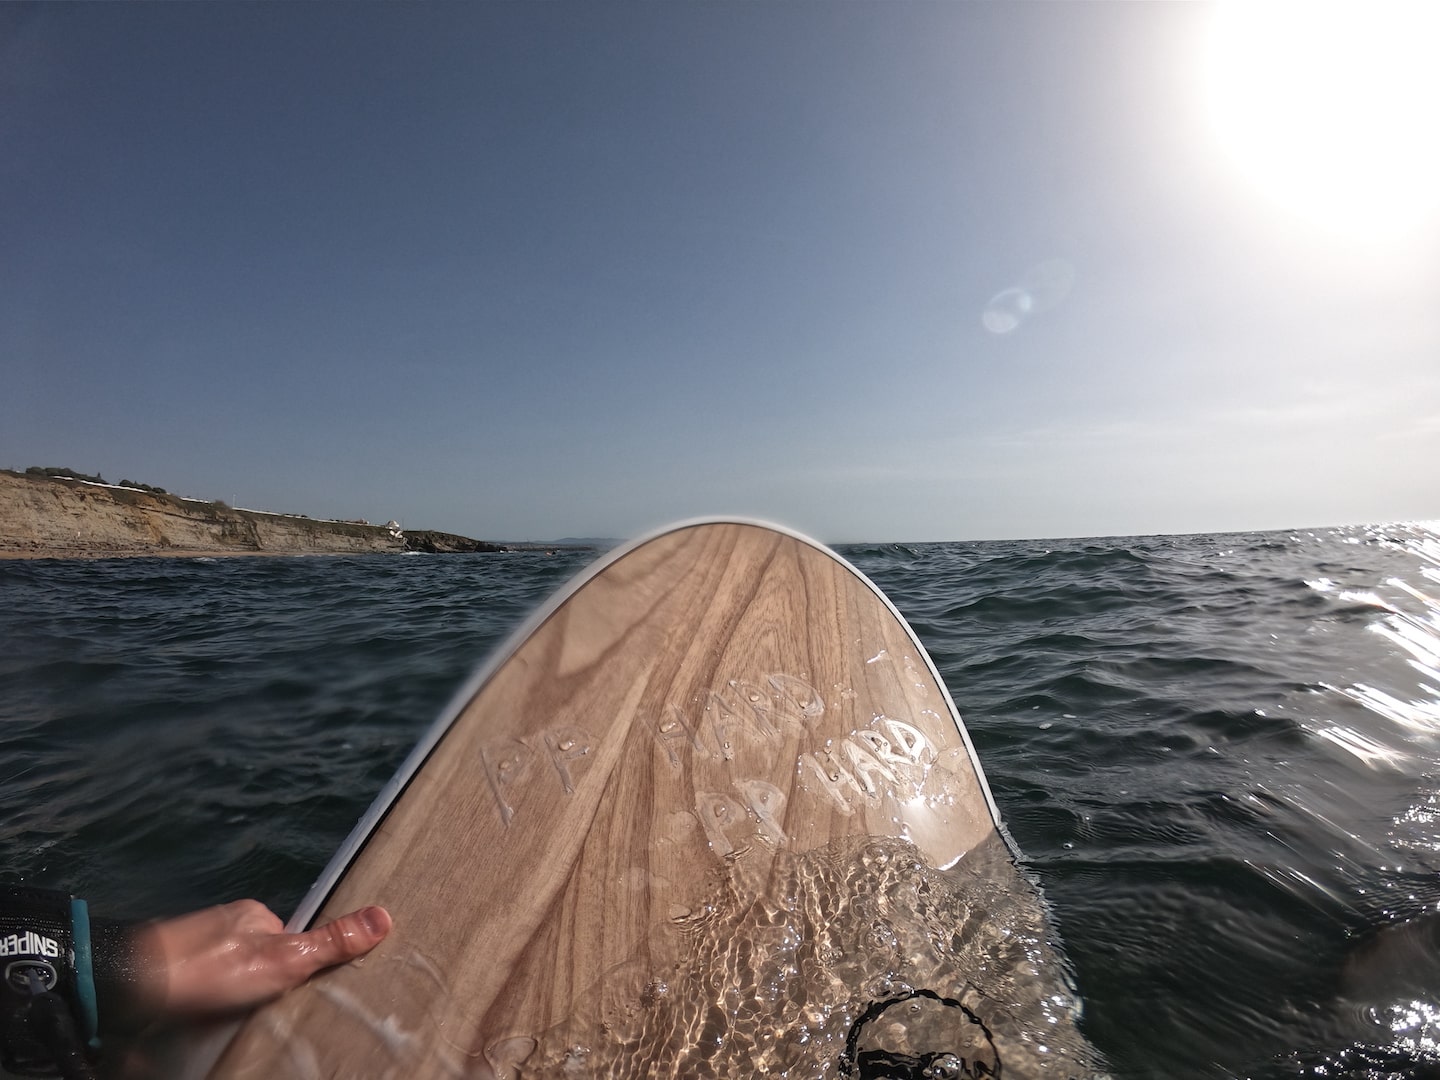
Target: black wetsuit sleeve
x=120, y=977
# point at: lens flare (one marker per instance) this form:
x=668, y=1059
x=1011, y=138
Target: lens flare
x=1040, y=288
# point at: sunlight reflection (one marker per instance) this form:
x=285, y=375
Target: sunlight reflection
x=1415, y=1024
x=1363, y=747
x=1412, y=625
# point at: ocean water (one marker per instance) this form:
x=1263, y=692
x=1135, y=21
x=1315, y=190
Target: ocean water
x=1218, y=753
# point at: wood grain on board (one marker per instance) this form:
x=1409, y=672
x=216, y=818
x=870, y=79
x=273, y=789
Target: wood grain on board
x=717, y=696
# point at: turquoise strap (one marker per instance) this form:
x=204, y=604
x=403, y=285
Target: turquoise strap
x=85, y=971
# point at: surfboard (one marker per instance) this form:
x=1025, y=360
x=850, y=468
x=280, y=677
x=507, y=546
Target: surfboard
x=710, y=812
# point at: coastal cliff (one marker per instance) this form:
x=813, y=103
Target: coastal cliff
x=46, y=516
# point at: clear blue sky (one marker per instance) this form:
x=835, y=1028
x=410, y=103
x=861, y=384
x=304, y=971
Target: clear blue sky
x=524, y=271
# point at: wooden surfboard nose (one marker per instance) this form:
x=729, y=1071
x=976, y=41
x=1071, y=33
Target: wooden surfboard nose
x=693, y=819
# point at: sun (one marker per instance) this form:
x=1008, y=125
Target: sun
x=1332, y=109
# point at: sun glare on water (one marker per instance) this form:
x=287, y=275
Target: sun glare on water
x=1333, y=109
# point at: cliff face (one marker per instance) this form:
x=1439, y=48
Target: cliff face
x=70, y=518
x=443, y=543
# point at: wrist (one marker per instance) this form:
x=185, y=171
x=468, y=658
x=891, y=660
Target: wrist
x=127, y=977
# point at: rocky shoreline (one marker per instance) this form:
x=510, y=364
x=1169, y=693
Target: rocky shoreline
x=57, y=518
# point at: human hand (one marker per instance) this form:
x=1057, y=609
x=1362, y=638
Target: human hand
x=231, y=957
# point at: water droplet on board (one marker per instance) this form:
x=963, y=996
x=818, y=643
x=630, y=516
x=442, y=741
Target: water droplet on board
x=575, y=1057
x=506, y=1055
x=567, y=744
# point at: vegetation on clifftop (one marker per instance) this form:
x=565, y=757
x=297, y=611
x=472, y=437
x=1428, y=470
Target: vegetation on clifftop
x=57, y=473
x=63, y=474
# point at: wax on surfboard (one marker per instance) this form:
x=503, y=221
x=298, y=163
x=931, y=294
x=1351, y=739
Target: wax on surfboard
x=710, y=811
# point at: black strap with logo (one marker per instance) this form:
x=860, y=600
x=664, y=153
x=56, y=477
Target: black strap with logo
x=48, y=1014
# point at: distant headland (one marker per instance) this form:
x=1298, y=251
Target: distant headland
x=63, y=514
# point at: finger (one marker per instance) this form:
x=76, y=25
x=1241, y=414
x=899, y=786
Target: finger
x=336, y=942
